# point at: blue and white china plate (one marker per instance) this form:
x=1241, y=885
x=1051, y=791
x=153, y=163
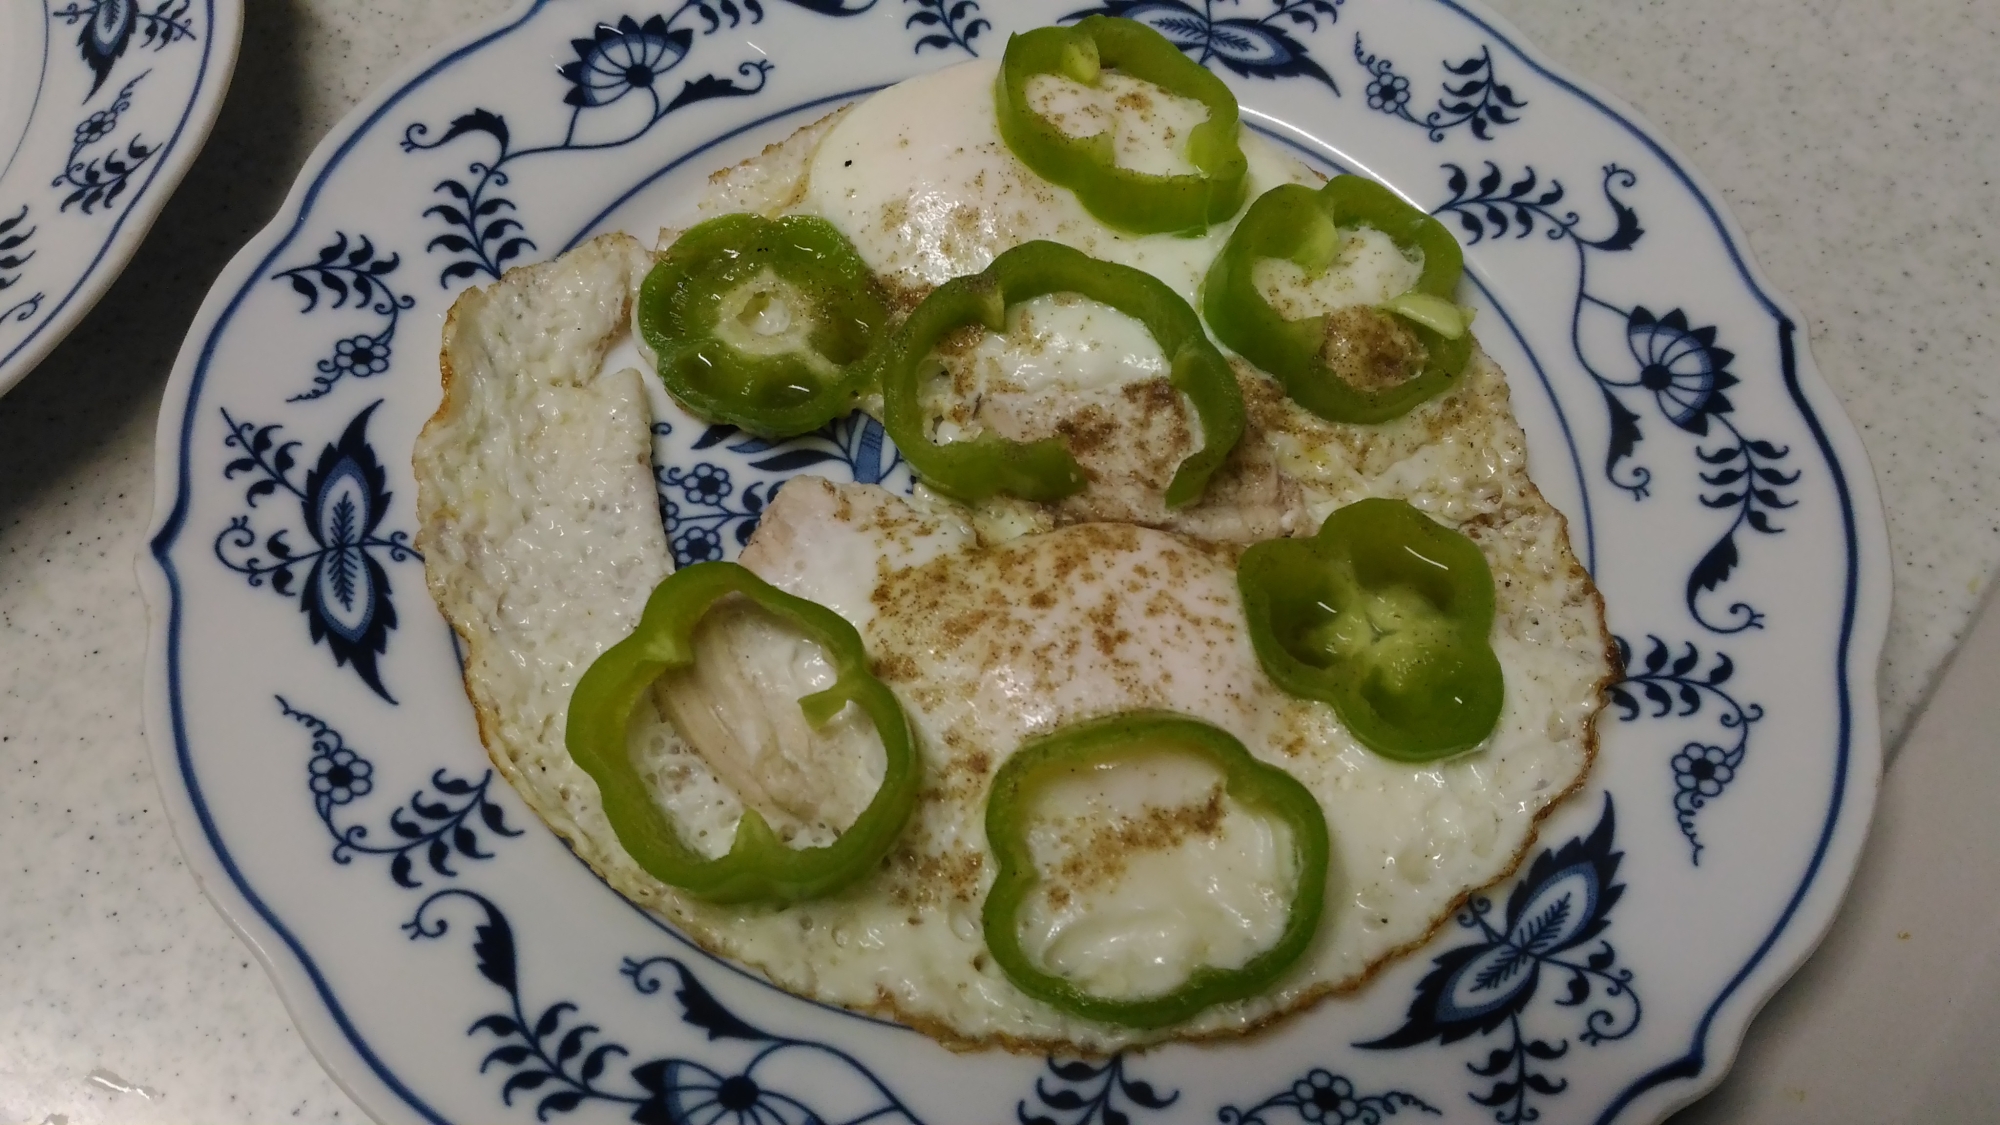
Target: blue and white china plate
x=451, y=961
x=103, y=105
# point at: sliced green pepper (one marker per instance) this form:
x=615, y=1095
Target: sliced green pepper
x=1385, y=614
x=1044, y=471
x=1092, y=744
x=763, y=323
x=759, y=867
x=1135, y=202
x=1295, y=222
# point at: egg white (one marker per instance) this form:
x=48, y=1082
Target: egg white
x=541, y=543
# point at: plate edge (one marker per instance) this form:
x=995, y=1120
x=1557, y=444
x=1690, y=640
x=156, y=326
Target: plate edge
x=1870, y=590
x=302, y=997
x=132, y=227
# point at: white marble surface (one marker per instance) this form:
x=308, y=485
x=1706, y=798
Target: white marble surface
x=1853, y=140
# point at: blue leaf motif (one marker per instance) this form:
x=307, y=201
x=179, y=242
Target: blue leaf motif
x=568, y=1060
x=1561, y=904
x=346, y=595
x=956, y=22
x=1253, y=48
x=1675, y=686
x=345, y=269
x=108, y=28
x=13, y=256
x=624, y=62
x=93, y=181
x=1482, y=102
x=338, y=775
x=1092, y=1093
x=347, y=598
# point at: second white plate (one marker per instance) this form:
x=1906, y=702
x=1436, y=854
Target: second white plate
x=103, y=105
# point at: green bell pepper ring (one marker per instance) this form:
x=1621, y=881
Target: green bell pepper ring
x=759, y=867
x=763, y=323
x=1044, y=471
x=1085, y=745
x=1295, y=222
x=1385, y=614
x=1134, y=202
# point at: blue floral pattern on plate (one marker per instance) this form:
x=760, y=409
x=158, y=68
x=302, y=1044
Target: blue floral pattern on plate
x=1675, y=685
x=1474, y=97
x=1081, y=1092
x=438, y=828
x=1263, y=46
x=109, y=28
x=344, y=589
x=1676, y=363
x=573, y=112
x=16, y=251
x=91, y=181
x=1325, y=1098
x=342, y=271
x=712, y=509
x=561, y=1062
x=1552, y=925
x=619, y=63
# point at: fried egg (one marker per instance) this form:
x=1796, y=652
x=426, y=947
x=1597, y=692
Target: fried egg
x=542, y=538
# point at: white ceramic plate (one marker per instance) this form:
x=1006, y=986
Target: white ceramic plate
x=451, y=961
x=103, y=105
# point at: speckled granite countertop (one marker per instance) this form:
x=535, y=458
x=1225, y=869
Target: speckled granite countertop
x=1853, y=140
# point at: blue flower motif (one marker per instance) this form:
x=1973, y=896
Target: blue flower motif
x=697, y=544
x=706, y=485
x=341, y=775
x=1323, y=1093
x=434, y=827
x=1681, y=365
x=1703, y=770
x=101, y=179
x=1326, y=1098
x=702, y=505
x=96, y=127
x=621, y=59
x=350, y=272
x=1388, y=93
x=360, y=356
x=1665, y=684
